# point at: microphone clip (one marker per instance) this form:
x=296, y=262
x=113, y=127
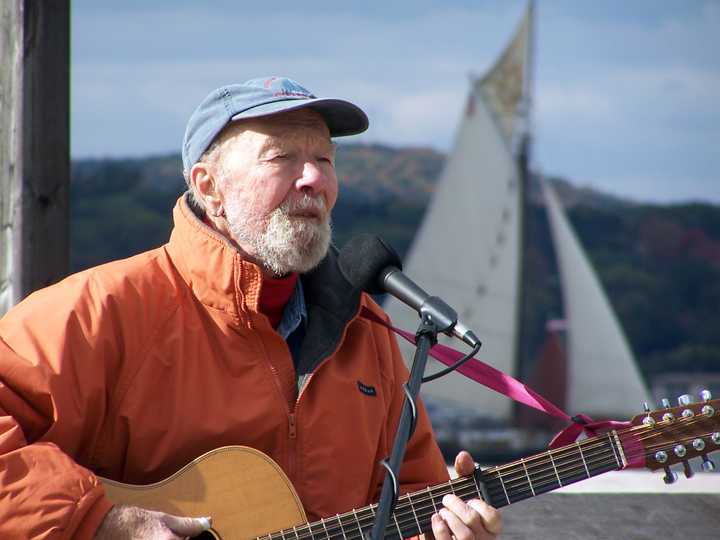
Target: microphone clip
x=438, y=315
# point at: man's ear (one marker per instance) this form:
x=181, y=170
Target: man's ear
x=205, y=186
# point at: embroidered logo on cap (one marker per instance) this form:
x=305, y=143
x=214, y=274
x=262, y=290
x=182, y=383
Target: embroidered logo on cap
x=280, y=86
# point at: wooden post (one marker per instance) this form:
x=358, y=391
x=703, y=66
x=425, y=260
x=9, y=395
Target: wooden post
x=34, y=146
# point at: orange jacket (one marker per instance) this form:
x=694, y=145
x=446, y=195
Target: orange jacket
x=134, y=368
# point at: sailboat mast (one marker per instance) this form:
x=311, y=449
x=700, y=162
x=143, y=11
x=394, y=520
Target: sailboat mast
x=523, y=152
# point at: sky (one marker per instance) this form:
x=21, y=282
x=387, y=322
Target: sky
x=626, y=95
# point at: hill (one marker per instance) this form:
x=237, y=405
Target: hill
x=659, y=264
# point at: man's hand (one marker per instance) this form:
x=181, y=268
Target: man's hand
x=471, y=520
x=131, y=522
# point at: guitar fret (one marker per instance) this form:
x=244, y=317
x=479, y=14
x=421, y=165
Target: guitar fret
x=325, y=528
x=612, y=447
x=397, y=526
x=552, y=462
x=358, y=523
x=282, y=535
x=297, y=536
x=503, y=486
x=342, y=529
x=620, y=448
x=477, y=487
x=587, y=471
x=432, y=500
x=532, y=489
x=412, y=507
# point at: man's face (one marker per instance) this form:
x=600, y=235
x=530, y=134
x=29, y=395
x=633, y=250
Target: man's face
x=278, y=186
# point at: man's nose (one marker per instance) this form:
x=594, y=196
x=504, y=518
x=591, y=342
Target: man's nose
x=314, y=177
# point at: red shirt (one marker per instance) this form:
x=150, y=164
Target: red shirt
x=274, y=296
x=275, y=293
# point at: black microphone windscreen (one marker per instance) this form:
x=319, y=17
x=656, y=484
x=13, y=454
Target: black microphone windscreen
x=362, y=259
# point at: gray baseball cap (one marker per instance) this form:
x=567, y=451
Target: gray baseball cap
x=263, y=97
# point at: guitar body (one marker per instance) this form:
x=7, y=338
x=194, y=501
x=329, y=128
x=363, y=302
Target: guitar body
x=244, y=491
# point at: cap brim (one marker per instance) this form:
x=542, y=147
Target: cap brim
x=342, y=117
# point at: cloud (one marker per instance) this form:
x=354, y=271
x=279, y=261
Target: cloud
x=626, y=89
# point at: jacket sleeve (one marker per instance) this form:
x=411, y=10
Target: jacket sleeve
x=53, y=381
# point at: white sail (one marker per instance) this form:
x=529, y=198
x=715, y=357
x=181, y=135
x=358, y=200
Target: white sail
x=467, y=249
x=466, y=252
x=603, y=377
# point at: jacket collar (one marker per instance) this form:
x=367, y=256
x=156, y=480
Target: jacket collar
x=212, y=266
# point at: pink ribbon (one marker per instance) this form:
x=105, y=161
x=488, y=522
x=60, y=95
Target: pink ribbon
x=503, y=383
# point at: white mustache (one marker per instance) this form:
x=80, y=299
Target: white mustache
x=306, y=203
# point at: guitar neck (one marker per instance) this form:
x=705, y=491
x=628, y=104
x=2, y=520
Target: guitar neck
x=498, y=486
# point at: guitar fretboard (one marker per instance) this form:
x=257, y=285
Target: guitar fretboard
x=499, y=486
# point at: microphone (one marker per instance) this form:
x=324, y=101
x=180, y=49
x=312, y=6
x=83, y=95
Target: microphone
x=369, y=263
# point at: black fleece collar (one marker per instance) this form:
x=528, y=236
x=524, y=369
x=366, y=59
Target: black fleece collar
x=331, y=304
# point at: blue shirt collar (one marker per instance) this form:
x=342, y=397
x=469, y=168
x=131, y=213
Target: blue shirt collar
x=295, y=312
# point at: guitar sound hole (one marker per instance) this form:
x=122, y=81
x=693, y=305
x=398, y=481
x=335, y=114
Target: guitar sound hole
x=208, y=535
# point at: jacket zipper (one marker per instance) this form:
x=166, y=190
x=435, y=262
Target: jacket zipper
x=292, y=414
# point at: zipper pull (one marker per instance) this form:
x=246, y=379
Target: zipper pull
x=291, y=424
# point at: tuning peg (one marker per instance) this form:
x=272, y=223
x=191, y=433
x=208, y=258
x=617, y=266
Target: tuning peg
x=648, y=420
x=685, y=399
x=707, y=464
x=670, y=476
x=688, y=471
x=705, y=395
x=665, y=403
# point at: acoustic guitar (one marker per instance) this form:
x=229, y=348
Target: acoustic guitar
x=249, y=496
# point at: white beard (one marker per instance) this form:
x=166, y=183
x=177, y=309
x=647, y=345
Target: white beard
x=282, y=242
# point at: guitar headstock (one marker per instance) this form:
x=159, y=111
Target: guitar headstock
x=672, y=435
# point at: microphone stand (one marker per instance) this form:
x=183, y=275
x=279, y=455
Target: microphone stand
x=436, y=316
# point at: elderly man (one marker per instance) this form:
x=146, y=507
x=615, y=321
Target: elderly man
x=239, y=331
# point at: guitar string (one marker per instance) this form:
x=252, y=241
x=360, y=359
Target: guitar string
x=560, y=461
x=472, y=490
x=407, y=526
x=541, y=462
x=406, y=518
x=646, y=454
x=497, y=488
x=418, y=499
x=610, y=463
x=588, y=461
x=410, y=524
x=663, y=442
x=539, y=485
x=464, y=488
x=561, y=465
